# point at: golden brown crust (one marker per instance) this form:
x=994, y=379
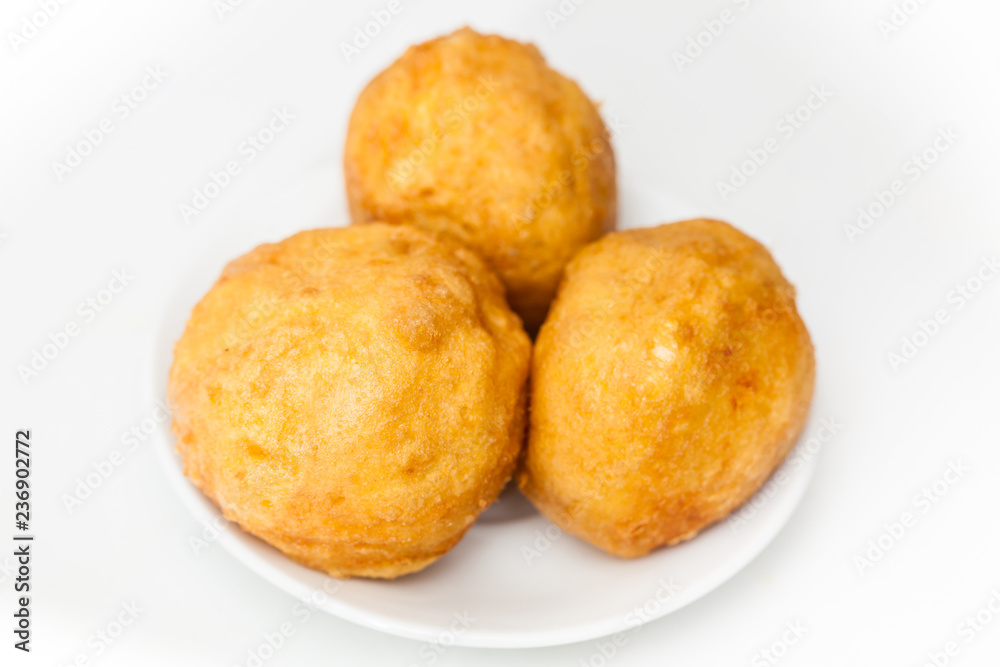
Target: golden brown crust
x=474, y=135
x=354, y=397
x=672, y=376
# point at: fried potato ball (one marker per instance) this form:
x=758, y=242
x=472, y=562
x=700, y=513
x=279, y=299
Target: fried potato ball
x=671, y=377
x=475, y=136
x=355, y=396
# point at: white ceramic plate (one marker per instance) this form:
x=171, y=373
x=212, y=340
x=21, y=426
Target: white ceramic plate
x=514, y=580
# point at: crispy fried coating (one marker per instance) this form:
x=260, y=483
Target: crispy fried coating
x=474, y=135
x=355, y=396
x=672, y=376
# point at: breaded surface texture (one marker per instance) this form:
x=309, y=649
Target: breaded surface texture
x=474, y=135
x=671, y=378
x=355, y=396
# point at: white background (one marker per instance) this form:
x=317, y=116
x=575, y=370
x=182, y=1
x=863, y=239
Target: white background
x=62, y=239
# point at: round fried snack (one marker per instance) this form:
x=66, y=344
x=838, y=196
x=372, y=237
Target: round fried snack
x=475, y=136
x=672, y=376
x=355, y=396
